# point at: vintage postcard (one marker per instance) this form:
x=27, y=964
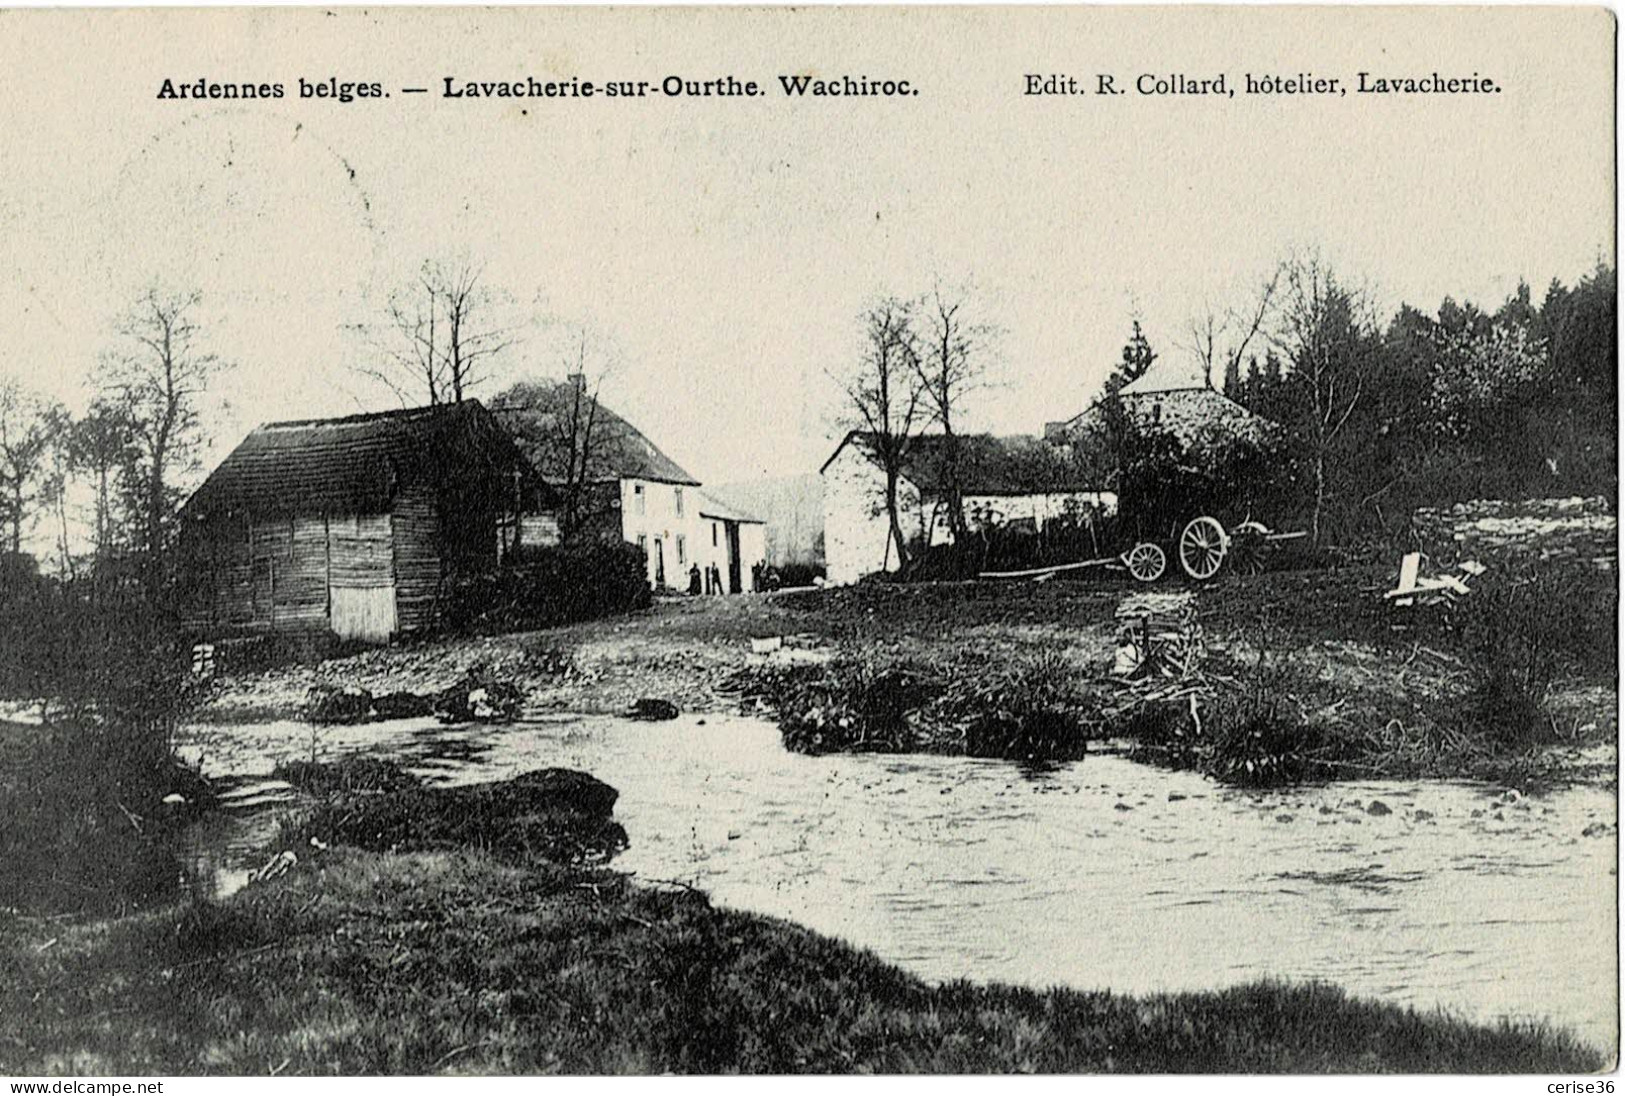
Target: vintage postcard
x=831, y=540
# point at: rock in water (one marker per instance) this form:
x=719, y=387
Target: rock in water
x=569, y=790
x=652, y=709
x=330, y=704
x=402, y=705
x=1378, y=807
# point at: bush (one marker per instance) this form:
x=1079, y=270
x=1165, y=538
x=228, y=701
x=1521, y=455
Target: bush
x=1026, y=711
x=1522, y=630
x=1253, y=733
x=86, y=826
x=348, y=775
x=479, y=696
x=852, y=704
x=1258, y=736
x=553, y=586
x=329, y=704
x=867, y=702
x=800, y=574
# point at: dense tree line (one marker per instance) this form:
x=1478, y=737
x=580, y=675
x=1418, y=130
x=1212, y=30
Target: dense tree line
x=1461, y=403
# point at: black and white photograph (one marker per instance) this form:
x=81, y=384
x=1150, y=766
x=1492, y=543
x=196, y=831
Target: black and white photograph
x=833, y=540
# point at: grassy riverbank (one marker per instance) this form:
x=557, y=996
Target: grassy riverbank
x=1385, y=693
x=429, y=938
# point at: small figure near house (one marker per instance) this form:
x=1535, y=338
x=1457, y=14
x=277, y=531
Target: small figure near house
x=716, y=579
x=756, y=583
x=694, y=579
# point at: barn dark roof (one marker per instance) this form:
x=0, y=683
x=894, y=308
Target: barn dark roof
x=988, y=465
x=354, y=464
x=534, y=414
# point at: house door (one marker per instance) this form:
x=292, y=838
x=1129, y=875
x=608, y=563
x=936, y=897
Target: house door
x=660, y=563
x=734, y=585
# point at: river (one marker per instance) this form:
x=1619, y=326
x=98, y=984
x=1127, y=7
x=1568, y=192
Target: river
x=1102, y=873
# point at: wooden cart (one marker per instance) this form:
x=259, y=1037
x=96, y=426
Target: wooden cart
x=1202, y=547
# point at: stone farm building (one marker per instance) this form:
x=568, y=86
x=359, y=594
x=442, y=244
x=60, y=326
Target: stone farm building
x=630, y=490
x=357, y=526
x=1003, y=481
x=1180, y=403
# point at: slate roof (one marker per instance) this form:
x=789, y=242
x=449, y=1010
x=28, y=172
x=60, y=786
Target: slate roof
x=355, y=464
x=622, y=451
x=712, y=507
x=1166, y=376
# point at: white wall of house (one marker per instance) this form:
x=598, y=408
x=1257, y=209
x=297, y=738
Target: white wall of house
x=752, y=549
x=663, y=519
x=857, y=530
x=666, y=520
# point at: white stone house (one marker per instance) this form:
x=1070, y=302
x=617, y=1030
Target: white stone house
x=640, y=495
x=1002, y=480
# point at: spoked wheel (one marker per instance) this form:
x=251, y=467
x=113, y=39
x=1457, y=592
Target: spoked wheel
x=1202, y=547
x=1248, y=549
x=1146, y=562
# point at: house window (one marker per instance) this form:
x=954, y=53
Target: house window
x=679, y=495
x=1156, y=412
x=640, y=502
x=682, y=545
x=713, y=534
x=643, y=546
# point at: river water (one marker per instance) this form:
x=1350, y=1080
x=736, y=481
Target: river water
x=1103, y=873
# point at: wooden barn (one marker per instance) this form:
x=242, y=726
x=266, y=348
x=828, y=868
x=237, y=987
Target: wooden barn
x=359, y=526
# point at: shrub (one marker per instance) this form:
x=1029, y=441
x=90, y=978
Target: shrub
x=86, y=824
x=852, y=704
x=480, y=695
x=800, y=574
x=87, y=828
x=552, y=586
x=1252, y=732
x=1258, y=736
x=346, y=776
x=1028, y=710
x=1522, y=629
x=327, y=704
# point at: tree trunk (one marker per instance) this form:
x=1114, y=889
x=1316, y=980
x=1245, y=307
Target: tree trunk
x=896, y=521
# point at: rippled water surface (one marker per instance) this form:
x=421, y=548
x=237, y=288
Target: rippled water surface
x=1099, y=874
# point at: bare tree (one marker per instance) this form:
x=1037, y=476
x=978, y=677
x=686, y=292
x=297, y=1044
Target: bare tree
x=1328, y=336
x=28, y=428
x=575, y=443
x=158, y=376
x=1221, y=340
x=953, y=361
x=441, y=334
x=100, y=448
x=884, y=400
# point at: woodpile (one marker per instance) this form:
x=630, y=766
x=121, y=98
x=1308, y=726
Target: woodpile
x=1571, y=530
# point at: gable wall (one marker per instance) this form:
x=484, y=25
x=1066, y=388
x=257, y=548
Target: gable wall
x=857, y=530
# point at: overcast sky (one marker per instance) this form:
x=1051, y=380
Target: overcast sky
x=727, y=247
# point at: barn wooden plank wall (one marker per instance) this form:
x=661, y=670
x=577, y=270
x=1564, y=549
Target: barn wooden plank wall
x=417, y=558
x=278, y=573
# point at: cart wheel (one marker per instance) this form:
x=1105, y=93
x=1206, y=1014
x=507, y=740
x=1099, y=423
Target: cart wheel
x=1202, y=547
x=1248, y=551
x=1146, y=562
